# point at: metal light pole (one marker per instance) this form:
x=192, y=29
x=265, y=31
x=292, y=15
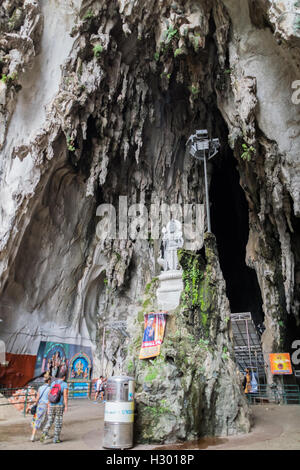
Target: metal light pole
x=202, y=148
x=102, y=354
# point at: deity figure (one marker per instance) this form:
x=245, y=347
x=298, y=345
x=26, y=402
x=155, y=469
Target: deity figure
x=79, y=368
x=149, y=333
x=172, y=240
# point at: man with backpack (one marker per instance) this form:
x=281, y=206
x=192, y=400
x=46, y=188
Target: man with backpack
x=58, y=404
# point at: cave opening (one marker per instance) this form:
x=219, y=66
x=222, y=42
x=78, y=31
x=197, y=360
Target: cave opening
x=230, y=224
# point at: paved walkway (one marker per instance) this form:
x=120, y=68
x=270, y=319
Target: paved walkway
x=275, y=428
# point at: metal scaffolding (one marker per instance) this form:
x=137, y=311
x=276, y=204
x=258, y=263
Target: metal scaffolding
x=247, y=344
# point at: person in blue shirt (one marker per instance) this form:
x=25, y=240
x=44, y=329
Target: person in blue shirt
x=42, y=405
x=56, y=410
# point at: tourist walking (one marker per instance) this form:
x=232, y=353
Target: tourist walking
x=58, y=404
x=247, y=381
x=41, y=406
x=99, y=388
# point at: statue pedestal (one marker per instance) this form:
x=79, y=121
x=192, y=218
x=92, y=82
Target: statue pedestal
x=169, y=292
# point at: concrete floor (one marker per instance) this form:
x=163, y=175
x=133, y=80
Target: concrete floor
x=274, y=428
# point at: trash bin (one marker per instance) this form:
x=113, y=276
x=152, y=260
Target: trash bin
x=119, y=413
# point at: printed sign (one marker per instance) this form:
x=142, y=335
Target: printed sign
x=280, y=364
x=119, y=412
x=154, y=331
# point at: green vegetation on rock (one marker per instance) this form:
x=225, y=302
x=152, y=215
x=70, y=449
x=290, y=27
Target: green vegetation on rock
x=194, y=90
x=89, y=15
x=70, y=144
x=97, y=50
x=9, y=78
x=198, y=294
x=170, y=34
x=248, y=152
x=176, y=390
x=178, y=52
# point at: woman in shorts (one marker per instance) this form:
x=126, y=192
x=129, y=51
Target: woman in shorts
x=42, y=406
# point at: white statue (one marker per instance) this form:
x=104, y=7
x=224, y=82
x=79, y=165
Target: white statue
x=172, y=240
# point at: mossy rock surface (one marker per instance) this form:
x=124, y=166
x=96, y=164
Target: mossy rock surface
x=186, y=391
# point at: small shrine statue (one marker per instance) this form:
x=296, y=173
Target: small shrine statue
x=79, y=369
x=172, y=240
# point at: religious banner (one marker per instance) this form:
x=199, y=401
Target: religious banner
x=280, y=364
x=54, y=357
x=80, y=367
x=79, y=375
x=154, y=331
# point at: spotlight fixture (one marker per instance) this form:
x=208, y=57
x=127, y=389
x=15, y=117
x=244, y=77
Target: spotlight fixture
x=202, y=148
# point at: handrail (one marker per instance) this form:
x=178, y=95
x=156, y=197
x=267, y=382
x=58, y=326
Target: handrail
x=26, y=396
x=285, y=394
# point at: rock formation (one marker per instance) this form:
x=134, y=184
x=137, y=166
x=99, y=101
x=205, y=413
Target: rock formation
x=193, y=388
x=97, y=101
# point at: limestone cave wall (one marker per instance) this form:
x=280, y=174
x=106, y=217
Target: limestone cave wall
x=97, y=101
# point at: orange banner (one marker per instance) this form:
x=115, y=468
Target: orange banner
x=281, y=364
x=154, y=331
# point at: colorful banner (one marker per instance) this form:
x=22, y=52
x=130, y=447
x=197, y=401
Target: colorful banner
x=154, y=331
x=281, y=364
x=53, y=357
x=80, y=367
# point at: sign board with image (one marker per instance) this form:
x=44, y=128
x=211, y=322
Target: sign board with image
x=280, y=364
x=154, y=330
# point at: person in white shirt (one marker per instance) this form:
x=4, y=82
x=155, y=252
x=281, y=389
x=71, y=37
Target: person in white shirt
x=99, y=388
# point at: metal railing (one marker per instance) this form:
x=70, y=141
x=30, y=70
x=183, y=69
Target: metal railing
x=21, y=398
x=24, y=398
x=283, y=394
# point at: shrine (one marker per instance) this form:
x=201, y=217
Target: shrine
x=79, y=375
x=171, y=285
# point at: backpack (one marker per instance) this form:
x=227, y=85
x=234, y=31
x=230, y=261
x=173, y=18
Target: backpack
x=55, y=393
